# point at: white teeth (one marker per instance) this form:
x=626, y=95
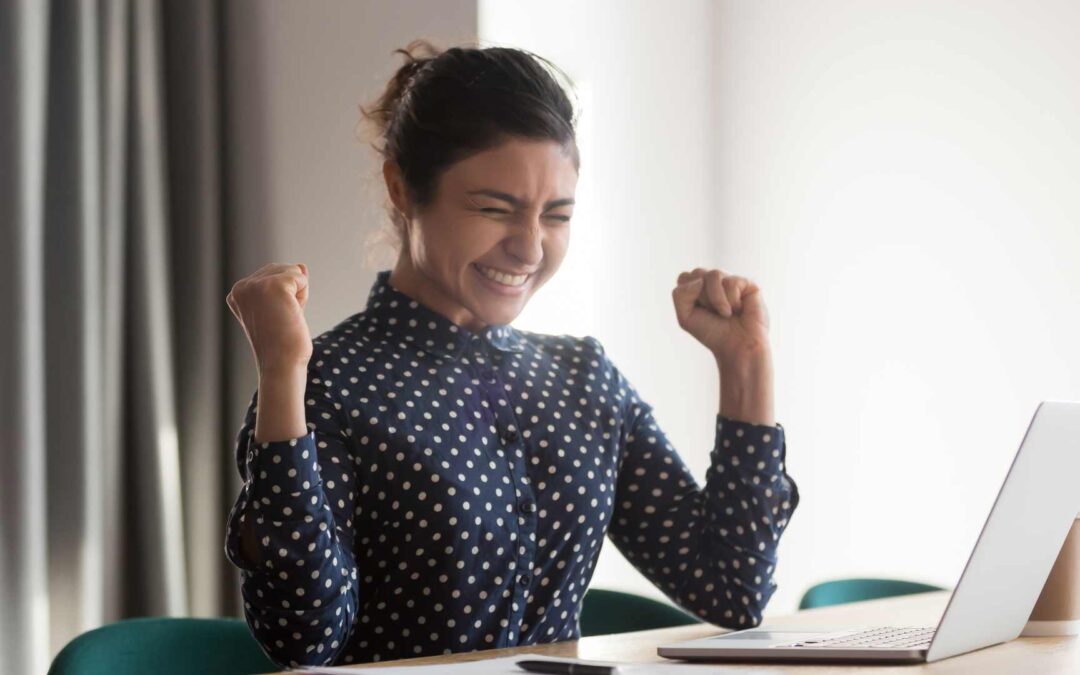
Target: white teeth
x=505, y=279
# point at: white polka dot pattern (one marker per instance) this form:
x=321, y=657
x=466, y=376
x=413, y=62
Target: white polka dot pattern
x=455, y=488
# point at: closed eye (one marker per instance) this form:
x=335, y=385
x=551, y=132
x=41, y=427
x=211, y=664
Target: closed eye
x=492, y=209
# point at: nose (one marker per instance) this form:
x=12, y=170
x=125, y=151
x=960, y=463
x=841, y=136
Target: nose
x=527, y=244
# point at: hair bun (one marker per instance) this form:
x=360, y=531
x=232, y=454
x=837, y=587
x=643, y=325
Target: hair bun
x=418, y=54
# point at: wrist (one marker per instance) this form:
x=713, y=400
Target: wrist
x=746, y=389
x=282, y=377
x=280, y=413
x=747, y=363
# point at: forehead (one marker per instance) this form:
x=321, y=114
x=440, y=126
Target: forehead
x=524, y=167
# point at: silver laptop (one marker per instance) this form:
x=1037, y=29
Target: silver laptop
x=1004, y=575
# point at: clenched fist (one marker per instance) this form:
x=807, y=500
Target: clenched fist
x=723, y=312
x=269, y=304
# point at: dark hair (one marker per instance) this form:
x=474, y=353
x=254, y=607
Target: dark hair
x=442, y=106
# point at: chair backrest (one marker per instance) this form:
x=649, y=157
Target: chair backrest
x=604, y=612
x=164, y=646
x=842, y=591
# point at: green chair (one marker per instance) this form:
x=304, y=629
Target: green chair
x=164, y=646
x=605, y=612
x=853, y=590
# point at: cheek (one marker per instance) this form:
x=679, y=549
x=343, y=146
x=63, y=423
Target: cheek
x=480, y=243
x=556, y=246
x=454, y=242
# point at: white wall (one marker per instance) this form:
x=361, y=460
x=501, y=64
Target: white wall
x=645, y=210
x=901, y=178
x=898, y=178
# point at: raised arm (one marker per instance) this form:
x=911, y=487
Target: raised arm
x=711, y=549
x=291, y=530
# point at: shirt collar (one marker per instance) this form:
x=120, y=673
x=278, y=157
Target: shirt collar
x=395, y=315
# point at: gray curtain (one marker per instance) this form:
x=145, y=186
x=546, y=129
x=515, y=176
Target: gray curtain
x=115, y=464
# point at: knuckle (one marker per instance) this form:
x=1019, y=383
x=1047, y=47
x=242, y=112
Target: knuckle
x=239, y=289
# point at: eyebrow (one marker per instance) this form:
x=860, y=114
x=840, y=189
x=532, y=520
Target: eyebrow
x=511, y=199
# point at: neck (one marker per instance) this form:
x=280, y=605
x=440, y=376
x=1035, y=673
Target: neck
x=409, y=280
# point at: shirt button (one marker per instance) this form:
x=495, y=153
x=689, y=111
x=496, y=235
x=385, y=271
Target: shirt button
x=489, y=375
x=528, y=507
x=509, y=436
x=523, y=580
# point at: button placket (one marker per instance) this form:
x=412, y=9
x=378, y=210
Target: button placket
x=524, y=521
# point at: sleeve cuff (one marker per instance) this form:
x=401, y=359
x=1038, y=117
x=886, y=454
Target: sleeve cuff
x=283, y=468
x=746, y=446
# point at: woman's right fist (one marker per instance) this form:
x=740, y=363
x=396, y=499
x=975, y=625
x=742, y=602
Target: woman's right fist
x=269, y=304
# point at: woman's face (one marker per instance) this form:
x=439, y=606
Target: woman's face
x=496, y=231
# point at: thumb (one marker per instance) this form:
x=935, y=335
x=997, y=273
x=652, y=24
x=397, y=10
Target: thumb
x=684, y=297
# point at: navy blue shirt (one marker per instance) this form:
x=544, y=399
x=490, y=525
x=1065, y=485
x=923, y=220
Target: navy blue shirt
x=455, y=488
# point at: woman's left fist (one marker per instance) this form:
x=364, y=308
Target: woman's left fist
x=725, y=313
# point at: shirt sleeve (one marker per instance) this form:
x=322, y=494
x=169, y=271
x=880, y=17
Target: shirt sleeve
x=712, y=550
x=299, y=592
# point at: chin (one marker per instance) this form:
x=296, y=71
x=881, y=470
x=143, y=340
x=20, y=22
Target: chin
x=500, y=317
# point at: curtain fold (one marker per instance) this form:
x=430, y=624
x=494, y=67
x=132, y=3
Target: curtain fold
x=113, y=44
x=114, y=473
x=24, y=612
x=199, y=284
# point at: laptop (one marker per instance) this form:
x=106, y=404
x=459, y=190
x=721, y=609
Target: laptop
x=1003, y=578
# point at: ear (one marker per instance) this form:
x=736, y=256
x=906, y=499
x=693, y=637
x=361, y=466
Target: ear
x=395, y=186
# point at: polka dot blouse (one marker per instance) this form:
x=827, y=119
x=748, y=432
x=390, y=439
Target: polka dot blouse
x=454, y=490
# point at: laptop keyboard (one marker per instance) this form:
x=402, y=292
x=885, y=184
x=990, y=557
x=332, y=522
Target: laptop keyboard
x=873, y=638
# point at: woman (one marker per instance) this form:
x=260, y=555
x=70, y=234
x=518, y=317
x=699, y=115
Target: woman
x=424, y=478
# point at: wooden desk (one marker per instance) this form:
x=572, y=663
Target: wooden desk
x=1042, y=656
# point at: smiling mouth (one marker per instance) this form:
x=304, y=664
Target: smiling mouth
x=503, y=278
